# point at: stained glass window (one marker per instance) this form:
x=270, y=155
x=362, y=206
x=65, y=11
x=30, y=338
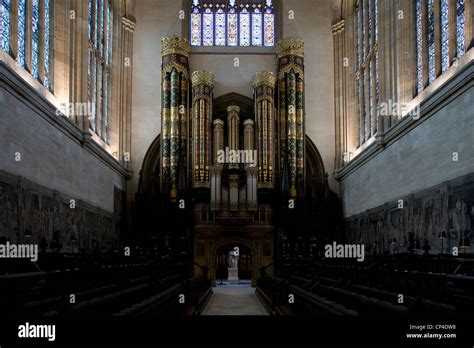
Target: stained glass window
x=431, y=42
x=444, y=35
x=196, y=27
x=419, y=44
x=208, y=27
x=220, y=27
x=244, y=28
x=460, y=34
x=47, y=43
x=367, y=74
x=257, y=27
x=5, y=25
x=21, y=32
x=99, y=65
x=232, y=28
x=426, y=61
x=232, y=23
x=35, y=38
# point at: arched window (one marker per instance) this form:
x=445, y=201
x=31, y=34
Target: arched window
x=34, y=56
x=99, y=65
x=5, y=25
x=232, y=23
x=367, y=74
x=426, y=27
x=460, y=23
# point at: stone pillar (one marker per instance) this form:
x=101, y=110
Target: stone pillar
x=233, y=123
x=351, y=128
x=79, y=57
x=452, y=24
x=174, y=114
x=339, y=93
x=264, y=91
x=469, y=24
x=290, y=55
x=203, y=85
x=406, y=49
x=125, y=123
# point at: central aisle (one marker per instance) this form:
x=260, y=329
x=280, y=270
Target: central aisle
x=234, y=301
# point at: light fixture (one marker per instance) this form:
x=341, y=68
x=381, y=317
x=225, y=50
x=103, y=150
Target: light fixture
x=442, y=235
x=464, y=243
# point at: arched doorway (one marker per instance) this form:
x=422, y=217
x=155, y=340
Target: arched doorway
x=245, y=261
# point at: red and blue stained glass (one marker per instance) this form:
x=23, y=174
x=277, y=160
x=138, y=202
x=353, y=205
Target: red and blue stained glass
x=232, y=28
x=220, y=28
x=228, y=23
x=196, y=27
x=257, y=28
x=269, y=23
x=244, y=28
x=208, y=28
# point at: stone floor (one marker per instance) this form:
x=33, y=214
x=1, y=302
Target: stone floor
x=234, y=301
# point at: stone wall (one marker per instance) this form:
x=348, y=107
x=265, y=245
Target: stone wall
x=44, y=164
x=416, y=154
x=47, y=149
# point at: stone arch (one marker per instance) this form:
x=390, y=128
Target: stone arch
x=252, y=245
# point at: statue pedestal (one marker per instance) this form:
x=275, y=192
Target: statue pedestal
x=233, y=275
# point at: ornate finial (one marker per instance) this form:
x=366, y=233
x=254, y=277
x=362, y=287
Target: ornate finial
x=290, y=46
x=264, y=78
x=174, y=44
x=203, y=77
x=233, y=108
x=338, y=27
x=249, y=122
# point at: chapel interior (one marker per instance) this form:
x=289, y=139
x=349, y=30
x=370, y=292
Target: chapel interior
x=143, y=142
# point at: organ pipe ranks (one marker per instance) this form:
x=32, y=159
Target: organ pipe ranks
x=264, y=91
x=290, y=55
x=233, y=124
x=174, y=114
x=203, y=85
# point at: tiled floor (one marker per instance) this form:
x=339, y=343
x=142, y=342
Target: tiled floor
x=234, y=301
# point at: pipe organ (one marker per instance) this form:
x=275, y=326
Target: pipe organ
x=290, y=55
x=174, y=115
x=232, y=154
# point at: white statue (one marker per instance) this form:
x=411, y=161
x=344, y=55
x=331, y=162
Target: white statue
x=234, y=258
x=233, y=266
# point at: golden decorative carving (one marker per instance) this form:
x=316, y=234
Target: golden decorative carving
x=249, y=123
x=264, y=78
x=182, y=69
x=218, y=123
x=128, y=24
x=203, y=77
x=290, y=47
x=174, y=44
x=338, y=27
x=233, y=108
x=287, y=68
